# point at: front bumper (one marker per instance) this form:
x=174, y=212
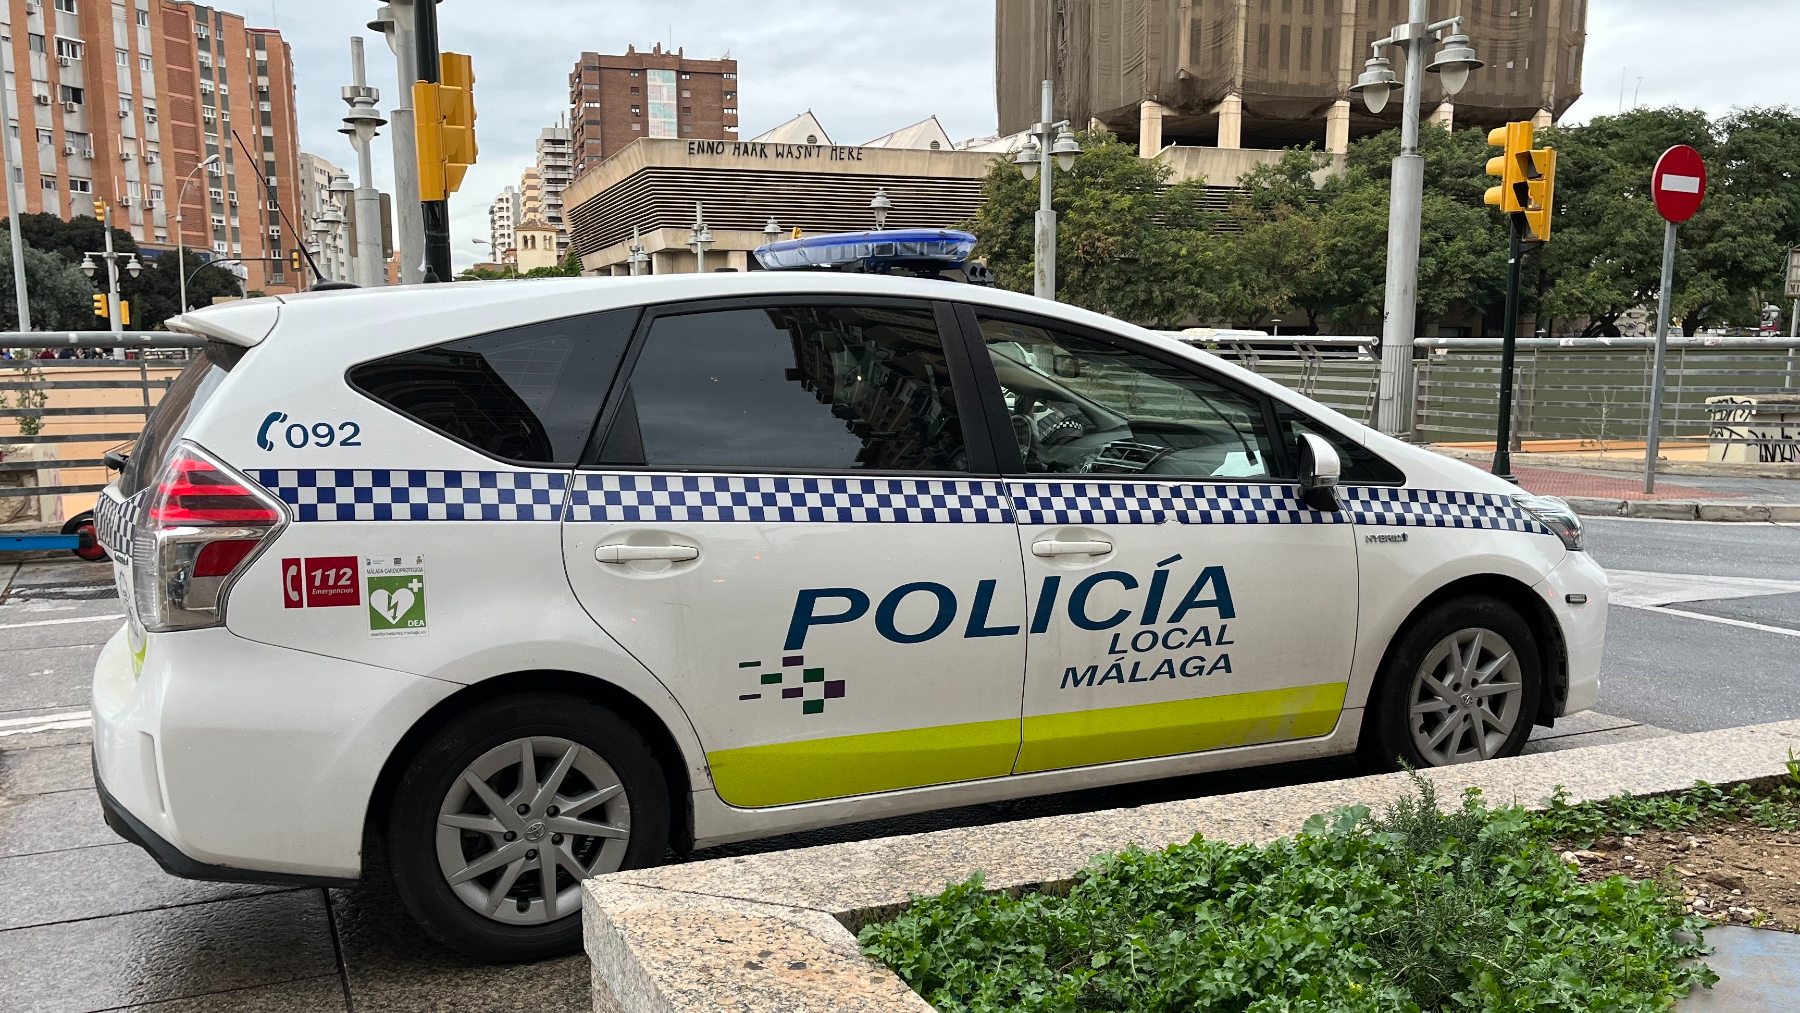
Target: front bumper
x=230, y=759
x=1583, y=625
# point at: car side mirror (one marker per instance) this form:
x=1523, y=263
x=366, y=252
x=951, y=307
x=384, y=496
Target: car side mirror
x=1320, y=467
x=1067, y=366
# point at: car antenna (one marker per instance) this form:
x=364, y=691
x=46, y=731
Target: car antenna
x=318, y=275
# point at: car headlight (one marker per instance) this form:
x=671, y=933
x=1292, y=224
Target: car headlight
x=1556, y=514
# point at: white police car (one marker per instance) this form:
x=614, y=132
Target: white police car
x=519, y=582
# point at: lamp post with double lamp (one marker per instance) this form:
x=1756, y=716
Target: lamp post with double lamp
x=1455, y=59
x=701, y=239
x=1046, y=140
x=210, y=161
x=112, y=271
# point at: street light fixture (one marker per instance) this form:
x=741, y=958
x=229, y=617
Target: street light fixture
x=701, y=239
x=210, y=161
x=636, y=257
x=87, y=266
x=771, y=231
x=1455, y=59
x=881, y=205
x=1046, y=140
x=132, y=267
x=114, y=306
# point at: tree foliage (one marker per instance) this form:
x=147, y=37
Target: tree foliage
x=154, y=294
x=60, y=294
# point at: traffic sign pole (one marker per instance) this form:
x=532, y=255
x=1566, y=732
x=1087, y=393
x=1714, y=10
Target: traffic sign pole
x=1677, y=186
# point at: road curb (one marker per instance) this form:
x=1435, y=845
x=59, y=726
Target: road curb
x=776, y=931
x=1686, y=509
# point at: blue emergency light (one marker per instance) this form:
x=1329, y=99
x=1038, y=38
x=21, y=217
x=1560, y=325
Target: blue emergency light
x=905, y=250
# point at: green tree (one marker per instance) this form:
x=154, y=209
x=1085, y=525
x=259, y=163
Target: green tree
x=1129, y=243
x=154, y=295
x=568, y=267
x=61, y=296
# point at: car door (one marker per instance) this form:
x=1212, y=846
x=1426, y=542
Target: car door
x=1181, y=595
x=795, y=521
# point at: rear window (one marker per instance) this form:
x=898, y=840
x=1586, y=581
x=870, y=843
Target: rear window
x=526, y=394
x=185, y=397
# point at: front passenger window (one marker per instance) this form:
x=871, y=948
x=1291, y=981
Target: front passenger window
x=1082, y=406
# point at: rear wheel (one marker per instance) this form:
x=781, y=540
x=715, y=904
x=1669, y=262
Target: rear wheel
x=1461, y=684
x=83, y=525
x=503, y=812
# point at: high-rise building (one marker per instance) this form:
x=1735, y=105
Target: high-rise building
x=121, y=100
x=614, y=100
x=503, y=214
x=555, y=169
x=316, y=175
x=1266, y=75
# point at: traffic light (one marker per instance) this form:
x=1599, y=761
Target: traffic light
x=1527, y=178
x=294, y=260
x=124, y=313
x=100, y=304
x=100, y=211
x=445, y=116
x=797, y=232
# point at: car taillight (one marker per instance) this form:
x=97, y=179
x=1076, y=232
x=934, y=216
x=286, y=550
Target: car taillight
x=198, y=526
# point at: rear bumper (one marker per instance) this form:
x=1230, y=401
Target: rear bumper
x=231, y=759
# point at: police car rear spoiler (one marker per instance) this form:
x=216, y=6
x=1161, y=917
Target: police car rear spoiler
x=244, y=324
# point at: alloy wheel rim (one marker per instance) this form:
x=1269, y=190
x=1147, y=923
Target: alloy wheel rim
x=1466, y=698
x=525, y=823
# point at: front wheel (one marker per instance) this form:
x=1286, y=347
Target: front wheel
x=507, y=808
x=1461, y=684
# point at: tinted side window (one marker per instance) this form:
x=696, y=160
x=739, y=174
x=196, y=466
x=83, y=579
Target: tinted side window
x=1361, y=466
x=792, y=388
x=1082, y=406
x=527, y=394
x=184, y=398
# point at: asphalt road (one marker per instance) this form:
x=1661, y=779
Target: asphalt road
x=1678, y=665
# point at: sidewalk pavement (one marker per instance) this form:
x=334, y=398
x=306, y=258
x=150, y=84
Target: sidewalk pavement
x=1608, y=492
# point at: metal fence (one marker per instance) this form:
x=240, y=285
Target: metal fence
x=1591, y=390
x=59, y=415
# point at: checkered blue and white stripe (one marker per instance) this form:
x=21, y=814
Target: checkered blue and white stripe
x=112, y=524
x=406, y=495
x=1439, y=508
x=638, y=497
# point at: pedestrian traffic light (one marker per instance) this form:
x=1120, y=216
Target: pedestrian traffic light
x=100, y=304
x=124, y=313
x=1527, y=178
x=444, y=113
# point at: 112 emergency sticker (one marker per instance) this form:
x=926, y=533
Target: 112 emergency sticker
x=320, y=582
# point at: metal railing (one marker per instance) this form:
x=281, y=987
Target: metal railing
x=1591, y=390
x=84, y=404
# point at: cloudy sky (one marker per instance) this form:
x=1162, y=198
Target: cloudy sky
x=867, y=66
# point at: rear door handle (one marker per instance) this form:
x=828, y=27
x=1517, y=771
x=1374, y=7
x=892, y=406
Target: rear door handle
x=1052, y=547
x=622, y=553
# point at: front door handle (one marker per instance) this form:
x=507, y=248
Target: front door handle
x=622, y=553
x=1052, y=547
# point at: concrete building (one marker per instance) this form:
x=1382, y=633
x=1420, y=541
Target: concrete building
x=614, y=100
x=531, y=196
x=555, y=168
x=315, y=196
x=1230, y=73
x=505, y=212
x=123, y=100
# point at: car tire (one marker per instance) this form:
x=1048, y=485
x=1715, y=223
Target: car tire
x=429, y=832
x=1432, y=706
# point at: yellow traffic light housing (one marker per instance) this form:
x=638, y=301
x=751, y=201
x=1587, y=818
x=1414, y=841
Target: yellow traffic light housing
x=445, y=116
x=100, y=305
x=124, y=313
x=1527, y=178
x=294, y=260
x=1541, y=188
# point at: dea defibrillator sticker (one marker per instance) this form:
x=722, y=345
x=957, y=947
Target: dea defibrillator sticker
x=395, y=589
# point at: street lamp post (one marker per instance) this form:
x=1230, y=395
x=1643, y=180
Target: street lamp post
x=771, y=231
x=881, y=205
x=359, y=125
x=1394, y=402
x=180, y=207
x=343, y=196
x=1046, y=140
x=112, y=273
x=635, y=257
x=702, y=238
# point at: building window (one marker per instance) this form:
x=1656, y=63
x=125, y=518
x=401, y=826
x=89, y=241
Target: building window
x=686, y=76
x=729, y=77
x=36, y=42
x=46, y=137
x=635, y=73
x=132, y=189
x=143, y=19
x=68, y=48
x=216, y=194
x=156, y=191
x=48, y=183
x=730, y=95
x=74, y=95
x=144, y=64
x=730, y=110
x=79, y=140
x=637, y=127
x=122, y=57
x=637, y=110
x=66, y=6
x=125, y=104
x=590, y=105
x=635, y=90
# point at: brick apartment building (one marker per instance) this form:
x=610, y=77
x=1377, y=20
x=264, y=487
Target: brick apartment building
x=126, y=97
x=614, y=100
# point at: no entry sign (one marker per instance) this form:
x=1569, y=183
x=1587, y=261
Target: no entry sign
x=1678, y=183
